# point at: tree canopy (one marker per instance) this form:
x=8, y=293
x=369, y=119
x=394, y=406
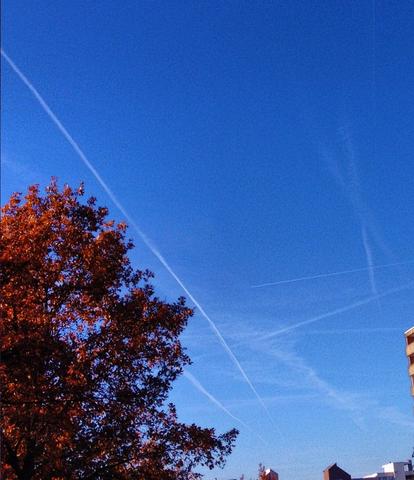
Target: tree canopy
x=88, y=352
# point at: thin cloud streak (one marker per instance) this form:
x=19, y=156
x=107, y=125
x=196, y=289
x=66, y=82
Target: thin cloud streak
x=356, y=198
x=353, y=189
x=278, y=399
x=331, y=274
x=368, y=254
x=217, y=402
x=307, y=376
x=339, y=399
x=247, y=338
x=190, y=377
x=358, y=406
x=337, y=311
x=132, y=222
x=340, y=331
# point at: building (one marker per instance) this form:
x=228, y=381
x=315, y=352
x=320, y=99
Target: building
x=333, y=472
x=390, y=471
x=271, y=474
x=409, y=350
x=393, y=471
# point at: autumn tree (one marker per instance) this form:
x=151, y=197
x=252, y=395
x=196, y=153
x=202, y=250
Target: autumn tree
x=88, y=352
x=262, y=472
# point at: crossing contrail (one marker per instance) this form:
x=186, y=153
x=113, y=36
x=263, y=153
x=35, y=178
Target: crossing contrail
x=131, y=221
x=337, y=311
x=332, y=274
x=217, y=402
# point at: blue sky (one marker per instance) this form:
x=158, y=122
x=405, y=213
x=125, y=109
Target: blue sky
x=252, y=142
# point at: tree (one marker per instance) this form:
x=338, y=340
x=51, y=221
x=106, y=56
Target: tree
x=262, y=472
x=88, y=352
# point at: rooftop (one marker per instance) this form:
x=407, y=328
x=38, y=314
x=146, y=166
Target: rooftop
x=410, y=331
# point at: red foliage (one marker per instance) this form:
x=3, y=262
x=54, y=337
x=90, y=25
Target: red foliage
x=88, y=352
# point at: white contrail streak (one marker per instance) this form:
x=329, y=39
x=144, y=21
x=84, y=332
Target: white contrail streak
x=132, y=222
x=331, y=274
x=354, y=191
x=213, y=399
x=368, y=254
x=348, y=180
x=341, y=331
x=339, y=398
x=217, y=402
x=337, y=311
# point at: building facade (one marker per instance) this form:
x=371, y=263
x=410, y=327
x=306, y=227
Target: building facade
x=393, y=471
x=333, y=472
x=271, y=474
x=409, y=350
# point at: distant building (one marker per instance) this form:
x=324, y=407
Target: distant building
x=393, y=471
x=409, y=350
x=333, y=472
x=390, y=471
x=271, y=474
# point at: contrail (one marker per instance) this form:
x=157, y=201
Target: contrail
x=339, y=398
x=131, y=221
x=331, y=274
x=217, y=402
x=368, y=253
x=374, y=76
x=369, y=257
x=337, y=311
x=341, y=331
x=354, y=189
x=361, y=209
x=348, y=180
